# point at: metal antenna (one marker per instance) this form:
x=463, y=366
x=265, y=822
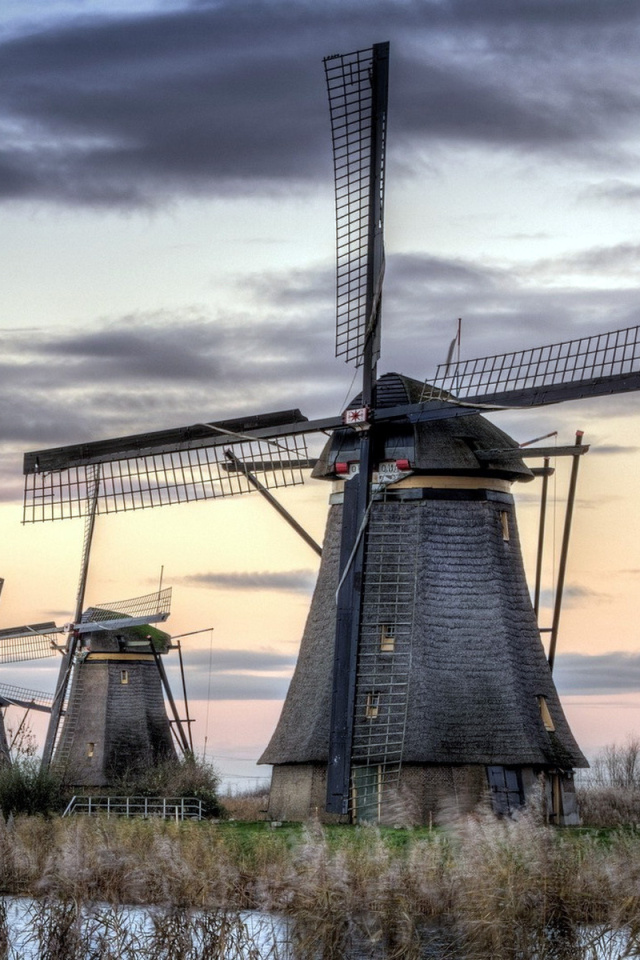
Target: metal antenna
x=73, y=639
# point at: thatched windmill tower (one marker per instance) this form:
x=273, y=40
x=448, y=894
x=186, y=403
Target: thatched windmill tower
x=108, y=716
x=454, y=694
x=115, y=722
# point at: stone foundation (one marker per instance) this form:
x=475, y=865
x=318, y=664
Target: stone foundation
x=426, y=795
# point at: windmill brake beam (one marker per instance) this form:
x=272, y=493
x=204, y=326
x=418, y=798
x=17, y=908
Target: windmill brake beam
x=123, y=623
x=203, y=435
x=27, y=704
x=30, y=630
x=557, y=393
x=195, y=436
x=523, y=453
x=243, y=468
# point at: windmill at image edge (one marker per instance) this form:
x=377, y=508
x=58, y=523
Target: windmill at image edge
x=107, y=716
x=421, y=673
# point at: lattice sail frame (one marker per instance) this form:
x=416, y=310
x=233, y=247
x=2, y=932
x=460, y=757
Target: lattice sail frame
x=159, y=479
x=21, y=696
x=150, y=605
x=611, y=355
x=353, y=114
x=19, y=644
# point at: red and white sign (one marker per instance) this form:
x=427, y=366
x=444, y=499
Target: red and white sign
x=358, y=418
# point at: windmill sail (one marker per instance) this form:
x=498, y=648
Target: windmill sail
x=150, y=608
x=30, y=642
x=11, y=695
x=167, y=467
x=357, y=85
x=602, y=364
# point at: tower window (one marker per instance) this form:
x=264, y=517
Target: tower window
x=124, y=676
x=504, y=521
x=90, y=749
x=372, y=708
x=387, y=638
x=544, y=713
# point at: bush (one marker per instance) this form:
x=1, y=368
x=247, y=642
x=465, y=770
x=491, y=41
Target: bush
x=26, y=788
x=174, y=778
x=618, y=766
x=247, y=804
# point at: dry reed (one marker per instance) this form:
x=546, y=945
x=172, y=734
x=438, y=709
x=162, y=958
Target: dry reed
x=480, y=887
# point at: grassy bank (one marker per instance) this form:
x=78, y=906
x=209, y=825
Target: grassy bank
x=495, y=888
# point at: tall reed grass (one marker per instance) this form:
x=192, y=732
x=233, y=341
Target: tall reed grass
x=480, y=887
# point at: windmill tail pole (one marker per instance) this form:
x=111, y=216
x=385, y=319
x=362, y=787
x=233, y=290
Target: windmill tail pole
x=543, y=514
x=184, y=694
x=565, y=551
x=242, y=468
x=184, y=743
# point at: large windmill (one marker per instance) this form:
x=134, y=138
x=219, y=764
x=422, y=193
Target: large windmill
x=421, y=671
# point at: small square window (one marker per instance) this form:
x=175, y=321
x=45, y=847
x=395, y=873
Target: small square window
x=387, y=638
x=124, y=676
x=90, y=749
x=372, y=708
x=546, y=716
x=504, y=520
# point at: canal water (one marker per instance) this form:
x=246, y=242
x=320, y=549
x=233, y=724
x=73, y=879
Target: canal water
x=53, y=930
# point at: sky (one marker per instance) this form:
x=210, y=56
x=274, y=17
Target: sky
x=168, y=257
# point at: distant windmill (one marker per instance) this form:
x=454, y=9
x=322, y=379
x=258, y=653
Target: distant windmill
x=421, y=674
x=107, y=717
x=114, y=720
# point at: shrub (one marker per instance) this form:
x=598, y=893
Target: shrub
x=174, y=778
x=618, y=765
x=247, y=804
x=26, y=788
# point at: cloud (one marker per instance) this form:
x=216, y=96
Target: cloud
x=129, y=109
x=611, y=449
x=606, y=673
x=234, y=687
x=231, y=674
x=141, y=372
x=573, y=595
x=230, y=660
x=287, y=581
x=618, y=191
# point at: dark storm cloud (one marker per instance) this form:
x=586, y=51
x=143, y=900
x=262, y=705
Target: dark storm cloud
x=220, y=97
x=613, y=672
x=287, y=581
x=147, y=372
x=503, y=308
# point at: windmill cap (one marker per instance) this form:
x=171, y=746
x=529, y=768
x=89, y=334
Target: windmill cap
x=434, y=447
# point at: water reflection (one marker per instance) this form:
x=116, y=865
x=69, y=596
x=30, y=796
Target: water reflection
x=61, y=930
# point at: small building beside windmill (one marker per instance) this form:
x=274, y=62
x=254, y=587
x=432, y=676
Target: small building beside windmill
x=454, y=698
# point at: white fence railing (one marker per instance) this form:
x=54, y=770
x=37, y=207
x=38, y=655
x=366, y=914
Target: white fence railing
x=167, y=808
